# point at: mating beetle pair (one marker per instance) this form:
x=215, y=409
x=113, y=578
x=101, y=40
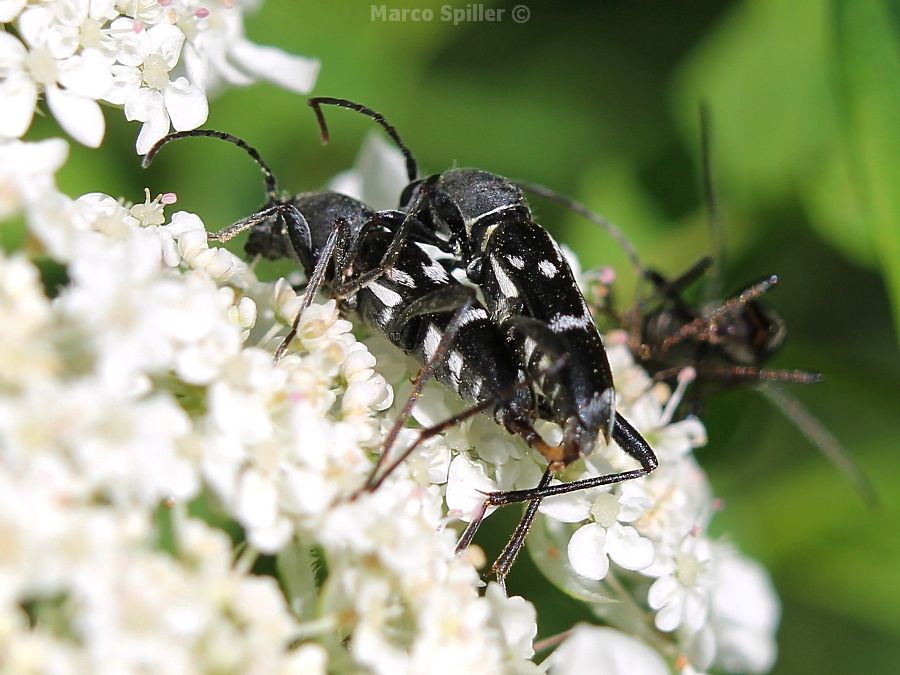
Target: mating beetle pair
x=532, y=350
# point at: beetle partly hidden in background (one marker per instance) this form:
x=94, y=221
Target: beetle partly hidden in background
x=726, y=343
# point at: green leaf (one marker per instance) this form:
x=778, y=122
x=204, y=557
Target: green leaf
x=867, y=47
x=297, y=574
x=762, y=74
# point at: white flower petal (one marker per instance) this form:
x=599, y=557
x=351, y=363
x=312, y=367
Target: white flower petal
x=19, y=96
x=571, y=507
x=633, y=502
x=743, y=594
x=144, y=105
x=662, y=591
x=196, y=66
x=152, y=130
x=668, y=618
x=295, y=73
x=87, y=74
x=378, y=174
x=594, y=649
x=587, y=552
x=628, y=549
x=12, y=53
x=431, y=407
x=9, y=9
x=80, y=117
x=257, y=502
x=33, y=24
x=466, y=484
x=186, y=105
x=126, y=80
x=131, y=47
x=166, y=40
x=103, y=9
x=517, y=620
x=696, y=609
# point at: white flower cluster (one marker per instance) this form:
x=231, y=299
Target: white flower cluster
x=138, y=400
x=157, y=59
x=172, y=501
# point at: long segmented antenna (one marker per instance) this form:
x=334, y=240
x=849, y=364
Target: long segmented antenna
x=271, y=183
x=701, y=323
x=716, y=230
x=820, y=437
x=608, y=226
x=316, y=104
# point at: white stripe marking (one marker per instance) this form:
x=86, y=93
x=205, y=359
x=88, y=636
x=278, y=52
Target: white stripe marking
x=435, y=271
x=530, y=346
x=455, y=363
x=400, y=277
x=432, y=339
x=564, y=322
x=499, y=209
x=473, y=314
x=507, y=287
x=386, y=295
x=547, y=268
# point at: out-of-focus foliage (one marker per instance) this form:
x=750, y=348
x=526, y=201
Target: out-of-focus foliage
x=599, y=100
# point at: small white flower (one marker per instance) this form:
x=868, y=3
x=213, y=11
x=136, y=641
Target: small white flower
x=141, y=83
x=26, y=171
x=151, y=211
x=71, y=85
x=516, y=618
x=608, y=537
x=744, y=614
x=681, y=594
x=680, y=502
x=217, y=51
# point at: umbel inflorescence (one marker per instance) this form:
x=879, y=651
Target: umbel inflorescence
x=172, y=501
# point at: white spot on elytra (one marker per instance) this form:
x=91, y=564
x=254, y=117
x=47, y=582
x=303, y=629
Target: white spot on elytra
x=455, y=363
x=564, y=322
x=473, y=314
x=400, y=277
x=547, y=268
x=385, y=316
x=530, y=346
x=516, y=261
x=507, y=287
x=387, y=296
x=432, y=340
x=435, y=271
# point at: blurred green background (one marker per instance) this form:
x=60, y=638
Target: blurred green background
x=599, y=100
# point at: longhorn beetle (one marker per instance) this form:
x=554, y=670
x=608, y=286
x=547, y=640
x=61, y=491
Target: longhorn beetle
x=373, y=262
x=531, y=293
x=526, y=282
x=364, y=259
